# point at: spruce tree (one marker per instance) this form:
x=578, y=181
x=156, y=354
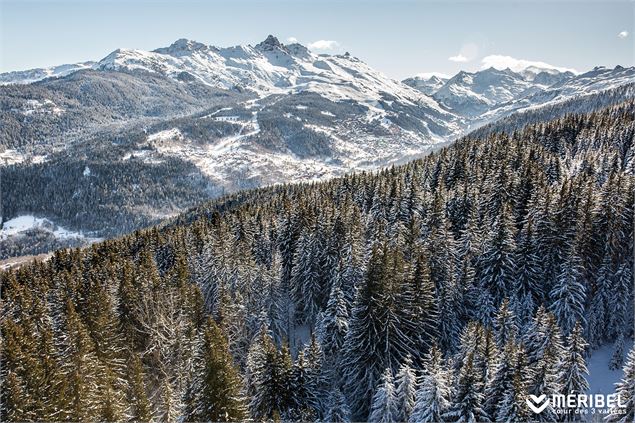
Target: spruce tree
x=505, y=325
x=433, y=395
x=375, y=339
x=384, y=403
x=573, y=368
x=137, y=396
x=338, y=411
x=568, y=295
x=625, y=389
x=215, y=393
x=405, y=390
x=467, y=401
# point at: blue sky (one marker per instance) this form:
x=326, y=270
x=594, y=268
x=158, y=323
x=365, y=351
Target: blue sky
x=400, y=38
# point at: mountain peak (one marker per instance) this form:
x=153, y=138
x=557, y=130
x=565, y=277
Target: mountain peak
x=182, y=46
x=270, y=43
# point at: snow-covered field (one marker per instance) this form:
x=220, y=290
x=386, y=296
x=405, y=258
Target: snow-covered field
x=11, y=156
x=25, y=223
x=601, y=379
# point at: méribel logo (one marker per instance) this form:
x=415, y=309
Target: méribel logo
x=538, y=403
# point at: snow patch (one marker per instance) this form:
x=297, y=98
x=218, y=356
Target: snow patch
x=25, y=223
x=601, y=379
x=167, y=135
x=11, y=157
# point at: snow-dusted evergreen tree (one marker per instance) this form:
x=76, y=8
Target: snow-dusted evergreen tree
x=502, y=381
x=486, y=357
x=433, y=395
x=528, y=270
x=303, y=391
x=467, y=401
x=269, y=378
x=620, y=300
x=544, y=348
x=333, y=322
x=421, y=303
x=215, y=392
x=568, y=295
x=384, y=403
x=512, y=406
x=617, y=358
x=600, y=301
x=405, y=390
x=505, y=325
x=450, y=307
x=625, y=388
x=573, y=367
x=498, y=265
x=375, y=339
x=338, y=411
x=308, y=281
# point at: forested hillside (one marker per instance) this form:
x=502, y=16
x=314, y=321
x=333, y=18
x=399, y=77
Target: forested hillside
x=449, y=288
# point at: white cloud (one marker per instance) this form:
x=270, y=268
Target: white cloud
x=468, y=52
x=623, y=34
x=428, y=75
x=292, y=40
x=458, y=58
x=323, y=45
x=499, y=61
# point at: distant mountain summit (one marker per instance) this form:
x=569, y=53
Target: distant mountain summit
x=489, y=94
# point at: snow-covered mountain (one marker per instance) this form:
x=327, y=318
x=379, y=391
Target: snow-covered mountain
x=33, y=75
x=271, y=67
x=428, y=84
x=473, y=93
x=320, y=114
x=595, y=81
x=485, y=96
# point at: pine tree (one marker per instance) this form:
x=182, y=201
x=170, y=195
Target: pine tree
x=617, y=359
x=384, y=404
x=573, y=367
x=433, y=395
x=215, y=394
x=625, y=389
x=405, y=390
x=505, y=325
x=568, y=295
x=338, y=411
x=466, y=405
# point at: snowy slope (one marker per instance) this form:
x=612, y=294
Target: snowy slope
x=597, y=80
x=270, y=67
x=427, y=84
x=471, y=94
x=487, y=95
x=33, y=75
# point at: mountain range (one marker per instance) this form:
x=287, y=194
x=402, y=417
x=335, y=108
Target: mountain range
x=95, y=142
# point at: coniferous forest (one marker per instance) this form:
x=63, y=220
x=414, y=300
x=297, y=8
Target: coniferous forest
x=447, y=289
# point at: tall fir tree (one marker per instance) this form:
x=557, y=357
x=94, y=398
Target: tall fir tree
x=384, y=403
